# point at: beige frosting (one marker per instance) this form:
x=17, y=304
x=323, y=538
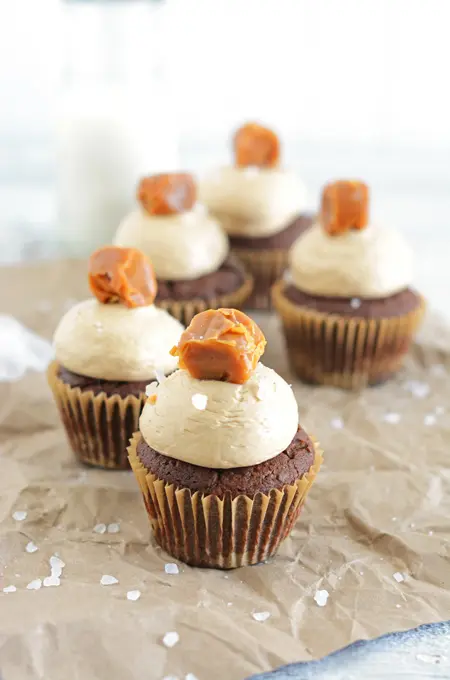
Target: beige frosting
x=113, y=342
x=372, y=263
x=219, y=424
x=251, y=201
x=183, y=246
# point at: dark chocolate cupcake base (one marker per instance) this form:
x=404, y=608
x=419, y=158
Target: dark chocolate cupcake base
x=347, y=343
x=97, y=386
x=276, y=473
x=233, y=527
x=266, y=259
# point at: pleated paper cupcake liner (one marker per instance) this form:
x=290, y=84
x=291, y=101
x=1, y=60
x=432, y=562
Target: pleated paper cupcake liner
x=99, y=427
x=346, y=352
x=266, y=267
x=223, y=533
x=185, y=310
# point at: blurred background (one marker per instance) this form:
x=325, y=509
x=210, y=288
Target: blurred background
x=97, y=92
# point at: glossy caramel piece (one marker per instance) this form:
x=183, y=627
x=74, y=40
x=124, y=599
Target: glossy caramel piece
x=255, y=145
x=345, y=205
x=122, y=275
x=220, y=344
x=167, y=194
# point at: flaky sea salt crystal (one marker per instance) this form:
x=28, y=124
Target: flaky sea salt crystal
x=108, y=580
x=261, y=616
x=56, y=562
x=52, y=580
x=429, y=419
x=392, y=418
x=321, y=597
x=431, y=658
x=20, y=515
x=398, y=606
x=398, y=577
x=99, y=528
x=133, y=595
x=199, y=401
x=355, y=303
x=170, y=639
x=439, y=410
x=151, y=388
x=9, y=589
x=337, y=423
x=34, y=585
x=113, y=528
x=171, y=568
x=159, y=375
x=190, y=676
x=170, y=677
x=417, y=388
x=31, y=547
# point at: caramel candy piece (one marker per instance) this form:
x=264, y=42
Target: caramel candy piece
x=167, y=194
x=122, y=275
x=220, y=344
x=345, y=205
x=256, y=145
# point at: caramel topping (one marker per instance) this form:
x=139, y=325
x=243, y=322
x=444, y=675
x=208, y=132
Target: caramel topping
x=152, y=399
x=167, y=194
x=221, y=344
x=345, y=205
x=122, y=275
x=256, y=145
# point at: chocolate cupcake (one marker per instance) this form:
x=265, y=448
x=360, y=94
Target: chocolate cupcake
x=108, y=349
x=260, y=205
x=346, y=303
x=223, y=466
x=189, y=250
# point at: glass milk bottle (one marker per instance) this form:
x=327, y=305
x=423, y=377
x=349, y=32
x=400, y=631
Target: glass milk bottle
x=116, y=121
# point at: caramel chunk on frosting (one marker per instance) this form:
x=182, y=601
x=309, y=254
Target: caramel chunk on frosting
x=221, y=344
x=167, y=194
x=257, y=146
x=345, y=205
x=122, y=275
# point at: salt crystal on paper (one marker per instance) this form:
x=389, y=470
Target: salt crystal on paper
x=133, y=595
x=439, y=410
x=437, y=370
x=34, y=585
x=392, y=418
x=229, y=604
x=52, y=580
x=261, y=616
x=417, y=388
x=170, y=677
x=31, y=547
x=113, y=528
x=430, y=533
x=199, y=401
x=355, y=303
x=399, y=577
x=337, y=423
x=170, y=639
x=171, y=568
x=190, y=676
x=56, y=562
x=99, y=528
x=429, y=419
x=107, y=580
x=20, y=515
x=321, y=597
x=10, y=589
x=398, y=606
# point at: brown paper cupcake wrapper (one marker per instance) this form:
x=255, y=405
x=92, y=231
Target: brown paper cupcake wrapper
x=346, y=352
x=206, y=531
x=266, y=267
x=99, y=427
x=185, y=310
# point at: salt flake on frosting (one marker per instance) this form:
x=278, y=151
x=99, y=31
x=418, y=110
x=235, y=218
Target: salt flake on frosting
x=199, y=401
x=261, y=616
x=170, y=639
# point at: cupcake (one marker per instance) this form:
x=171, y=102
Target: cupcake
x=188, y=248
x=107, y=350
x=222, y=463
x=261, y=206
x=347, y=306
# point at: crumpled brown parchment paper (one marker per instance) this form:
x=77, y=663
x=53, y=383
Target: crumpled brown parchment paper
x=381, y=506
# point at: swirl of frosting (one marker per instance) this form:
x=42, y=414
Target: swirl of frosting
x=252, y=201
x=114, y=342
x=374, y=262
x=181, y=246
x=221, y=424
